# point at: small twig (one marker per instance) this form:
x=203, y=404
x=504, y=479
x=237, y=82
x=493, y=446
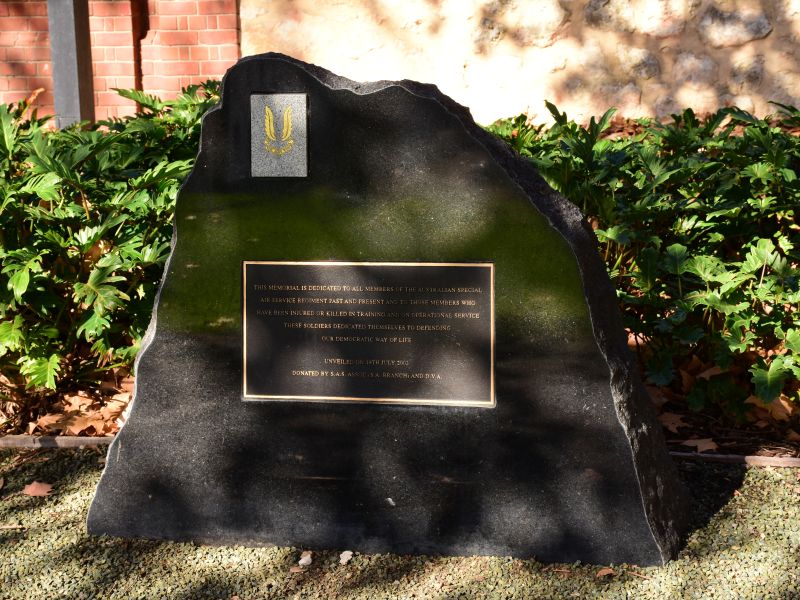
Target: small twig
x=6, y=527
x=635, y=574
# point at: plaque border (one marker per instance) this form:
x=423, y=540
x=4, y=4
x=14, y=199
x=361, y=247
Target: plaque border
x=490, y=403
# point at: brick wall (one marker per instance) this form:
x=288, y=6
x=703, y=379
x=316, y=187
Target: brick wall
x=155, y=45
x=25, y=53
x=188, y=42
x=112, y=39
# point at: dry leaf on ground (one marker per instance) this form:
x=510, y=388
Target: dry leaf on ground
x=702, y=445
x=77, y=403
x=295, y=569
x=656, y=396
x=46, y=423
x=792, y=436
x=345, y=557
x=709, y=373
x=37, y=488
x=687, y=381
x=2, y=483
x=605, y=572
x=780, y=409
x=672, y=421
x=305, y=559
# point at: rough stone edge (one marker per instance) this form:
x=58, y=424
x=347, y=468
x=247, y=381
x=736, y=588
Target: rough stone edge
x=644, y=435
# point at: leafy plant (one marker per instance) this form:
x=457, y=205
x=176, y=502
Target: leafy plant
x=697, y=222
x=85, y=223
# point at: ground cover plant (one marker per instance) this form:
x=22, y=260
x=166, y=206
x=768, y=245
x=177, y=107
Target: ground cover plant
x=85, y=224
x=697, y=222
x=695, y=218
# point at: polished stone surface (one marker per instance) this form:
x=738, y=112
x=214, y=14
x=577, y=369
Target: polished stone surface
x=569, y=465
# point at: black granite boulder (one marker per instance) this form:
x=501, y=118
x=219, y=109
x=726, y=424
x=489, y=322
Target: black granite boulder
x=567, y=464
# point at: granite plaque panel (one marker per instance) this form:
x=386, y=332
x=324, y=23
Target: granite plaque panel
x=569, y=464
x=278, y=145
x=403, y=333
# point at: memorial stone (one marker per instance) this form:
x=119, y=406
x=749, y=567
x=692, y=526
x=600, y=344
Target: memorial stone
x=380, y=330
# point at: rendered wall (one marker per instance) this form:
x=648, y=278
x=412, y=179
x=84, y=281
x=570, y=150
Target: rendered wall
x=505, y=57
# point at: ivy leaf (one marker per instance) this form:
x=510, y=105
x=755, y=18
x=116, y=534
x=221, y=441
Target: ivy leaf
x=647, y=271
x=792, y=340
x=769, y=380
x=676, y=259
x=705, y=267
x=763, y=253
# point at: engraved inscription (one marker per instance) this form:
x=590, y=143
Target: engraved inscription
x=413, y=333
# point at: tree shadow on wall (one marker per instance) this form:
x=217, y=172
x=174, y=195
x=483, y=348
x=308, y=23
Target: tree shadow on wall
x=648, y=58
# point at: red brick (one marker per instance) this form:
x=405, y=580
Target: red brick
x=227, y=22
x=110, y=99
x=26, y=9
x=100, y=84
x=159, y=23
x=37, y=23
x=149, y=52
x=177, y=68
x=162, y=53
x=147, y=68
x=214, y=68
x=122, y=23
x=228, y=52
x=44, y=68
x=177, y=7
x=28, y=84
x=16, y=24
x=3, y=10
x=160, y=82
x=198, y=53
x=8, y=38
x=216, y=7
x=217, y=37
x=3, y=84
x=112, y=68
x=211, y=21
x=18, y=69
x=27, y=53
x=183, y=23
x=124, y=82
x=178, y=38
x=110, y=8
x=197, y=23
x=123, y=53
x=13, y=96
x=117, y=38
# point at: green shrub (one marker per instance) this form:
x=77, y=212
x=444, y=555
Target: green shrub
x=696, y=220
x=85, y=224
x=698, y=223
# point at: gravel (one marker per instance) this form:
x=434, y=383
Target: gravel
x=746, y=545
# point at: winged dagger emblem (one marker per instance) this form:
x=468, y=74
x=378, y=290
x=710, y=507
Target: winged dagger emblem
x=271, y=142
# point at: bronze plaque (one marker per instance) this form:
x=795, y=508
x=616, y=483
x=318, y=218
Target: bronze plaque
x=399, y=333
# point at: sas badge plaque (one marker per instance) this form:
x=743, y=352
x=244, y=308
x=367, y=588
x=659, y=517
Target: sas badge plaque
x=278, y=132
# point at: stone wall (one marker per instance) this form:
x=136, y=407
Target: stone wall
x=505, y=57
